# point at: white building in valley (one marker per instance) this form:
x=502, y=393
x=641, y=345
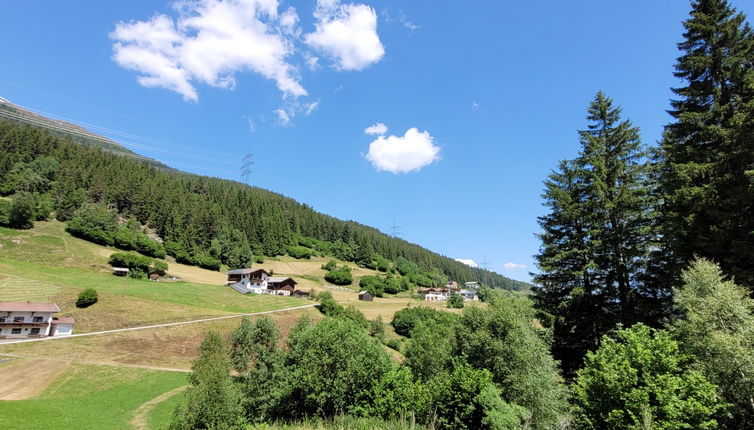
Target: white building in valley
x=29, y=319
x=259, y=281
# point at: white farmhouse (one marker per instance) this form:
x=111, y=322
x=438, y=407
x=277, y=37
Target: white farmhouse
x=28, y=319
x=259, y=281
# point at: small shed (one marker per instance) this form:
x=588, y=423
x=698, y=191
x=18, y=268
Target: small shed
x=302, y=294
x=154, y=275
x=366, y=296
x=120, y=271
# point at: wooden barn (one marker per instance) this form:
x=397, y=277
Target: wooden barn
x=366, y=296
x=281, y=285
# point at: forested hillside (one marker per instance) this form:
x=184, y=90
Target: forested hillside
x=12, y=112
x=202, y=220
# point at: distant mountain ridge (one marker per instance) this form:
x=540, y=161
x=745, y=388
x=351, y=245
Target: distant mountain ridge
x=79, y=134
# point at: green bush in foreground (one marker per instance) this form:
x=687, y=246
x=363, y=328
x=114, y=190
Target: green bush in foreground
x=639, y=379
x=87, y=298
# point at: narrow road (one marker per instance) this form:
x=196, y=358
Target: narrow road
x=140, y=420
x=120, y=330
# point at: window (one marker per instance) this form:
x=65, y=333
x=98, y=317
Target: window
x=18, y=319
x=37, y=319
x=34, y=331
x=15, y=331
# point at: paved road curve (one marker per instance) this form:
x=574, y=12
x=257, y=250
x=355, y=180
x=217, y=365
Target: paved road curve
x=94, y=333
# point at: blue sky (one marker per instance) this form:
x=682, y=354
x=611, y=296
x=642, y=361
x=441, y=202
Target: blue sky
x=479, y=100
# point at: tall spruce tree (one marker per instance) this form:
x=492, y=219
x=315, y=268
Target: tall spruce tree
x=707, y=154
x=596, y=238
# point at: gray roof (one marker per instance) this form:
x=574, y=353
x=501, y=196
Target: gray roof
x=276, y=279
x=245, y=271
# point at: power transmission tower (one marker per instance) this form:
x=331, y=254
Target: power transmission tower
x=485, y=265
x=246, y=163
x=395, y=230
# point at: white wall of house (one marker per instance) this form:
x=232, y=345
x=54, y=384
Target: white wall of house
x=64, y=329
x=16, y=317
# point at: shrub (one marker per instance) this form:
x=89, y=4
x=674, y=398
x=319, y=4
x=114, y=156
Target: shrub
x=335, y=367
x=258, y=260
x=394, y=344
x=207, y=262
x=330, y=265
x=124, y=239
x=94, y=223
x=300, y=252
x=5, y=212
x=376, y=327
x=406, y=319
x=23, y=210
x=131, y=261
x=639, y=375
x=173, y=248
x=147, y=246
x=160, y=266
x=455, y=301
x=87, y=298
x=373, y=284
x=341, y=276
x=137, y=273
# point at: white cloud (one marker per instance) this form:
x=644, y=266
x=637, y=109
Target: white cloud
x=347, y=33
x=209, y=42
x=401, y=18
x=378, y=129
x=311, y=107
x=250, y=122
x=289, y=22
x=401, y=154
x=475, y=106
x=513, y=266
x=283, y=117
x=467, y=261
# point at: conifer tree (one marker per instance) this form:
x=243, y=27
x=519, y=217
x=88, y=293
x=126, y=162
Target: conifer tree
x=212, y=400
x=596, y=237
x=706, y=156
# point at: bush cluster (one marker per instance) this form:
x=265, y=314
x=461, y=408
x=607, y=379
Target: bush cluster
x=139, y=266
x=300, y=252
x=96, y=223
x=339, y=276
x=87, y=298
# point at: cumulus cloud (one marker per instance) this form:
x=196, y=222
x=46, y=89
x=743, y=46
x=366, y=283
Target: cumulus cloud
x=513, y=266
x=468, y=262
x=209, y=42
x=347, y=33
x=400, y=154
x=376, y=129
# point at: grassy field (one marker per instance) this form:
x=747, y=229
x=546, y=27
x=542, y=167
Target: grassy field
x=167, y=347
x=108, y=381
x=92, y=397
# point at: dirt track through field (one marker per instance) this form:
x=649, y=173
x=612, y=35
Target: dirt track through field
x=140, y=420
x=42, y=339
x=25, y=378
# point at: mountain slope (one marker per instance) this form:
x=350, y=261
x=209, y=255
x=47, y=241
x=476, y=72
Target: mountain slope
x=201, y=217
x=78, y=134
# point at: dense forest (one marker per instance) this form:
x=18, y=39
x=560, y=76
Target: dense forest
x=202, y=221
x=17, y=114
